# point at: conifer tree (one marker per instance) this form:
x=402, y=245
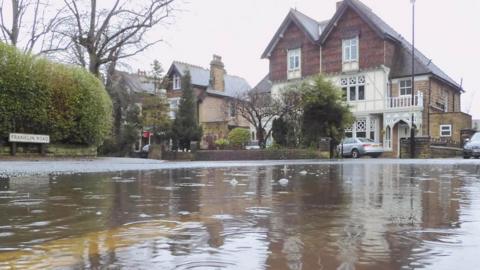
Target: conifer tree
x=185, y=127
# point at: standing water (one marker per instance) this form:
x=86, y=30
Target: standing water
x=326, y=216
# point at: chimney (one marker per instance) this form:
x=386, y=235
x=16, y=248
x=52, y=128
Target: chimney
x=217, y=73
x=339, y=4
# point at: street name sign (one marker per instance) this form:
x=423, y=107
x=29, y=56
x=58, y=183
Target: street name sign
x=28, y=138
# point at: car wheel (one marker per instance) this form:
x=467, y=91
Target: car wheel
x=355, y=153
x=477, y=157
x=466, y=157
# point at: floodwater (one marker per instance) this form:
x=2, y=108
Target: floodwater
x=328, y=216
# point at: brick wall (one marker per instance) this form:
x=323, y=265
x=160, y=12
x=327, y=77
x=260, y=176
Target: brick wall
x=293, y=38
x=371, y=46
x=458, y=120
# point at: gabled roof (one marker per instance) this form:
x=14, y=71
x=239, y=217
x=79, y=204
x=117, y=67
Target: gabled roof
x=264, y=86
x=234, y=85
x=136, y=83
x=402, y=66
x=309, y=26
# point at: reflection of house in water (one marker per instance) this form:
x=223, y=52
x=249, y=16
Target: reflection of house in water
x=389, y=201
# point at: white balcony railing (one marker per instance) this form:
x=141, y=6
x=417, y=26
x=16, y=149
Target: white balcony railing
x=405, y=101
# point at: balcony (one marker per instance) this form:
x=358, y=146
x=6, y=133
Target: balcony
x=400, y=103
x=403, y=102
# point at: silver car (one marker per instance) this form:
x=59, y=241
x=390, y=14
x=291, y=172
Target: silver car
x=472, y=147
x=357, y=147
x=253, y=145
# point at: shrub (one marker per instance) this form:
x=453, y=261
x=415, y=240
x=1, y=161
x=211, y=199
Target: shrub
x=238, y=137
x=221, y=143
x=39, y=96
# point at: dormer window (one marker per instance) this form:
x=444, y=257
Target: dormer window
x=176, y=82
x=294, y=62
x=350, y=50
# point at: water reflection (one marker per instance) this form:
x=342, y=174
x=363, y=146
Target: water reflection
x=341, y=216
x=4, y=183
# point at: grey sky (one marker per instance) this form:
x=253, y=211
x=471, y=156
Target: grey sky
x=448, y=32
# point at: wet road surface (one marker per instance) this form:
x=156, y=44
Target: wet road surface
x=352, y=215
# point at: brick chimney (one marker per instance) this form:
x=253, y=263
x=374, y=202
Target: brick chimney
x=339, y=4
x=217, y=73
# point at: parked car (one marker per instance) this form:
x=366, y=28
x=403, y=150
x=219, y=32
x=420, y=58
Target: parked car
x=357, y=147
x=145, y=150
x=253, y=145
x=472, y=147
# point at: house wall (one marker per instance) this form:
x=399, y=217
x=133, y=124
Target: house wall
x=372, y=51
x=458, y=120
x=432, y=90
x=375, y=91
x=212, y=109
x=293, y=38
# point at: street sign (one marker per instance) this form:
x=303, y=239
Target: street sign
x=28, y=138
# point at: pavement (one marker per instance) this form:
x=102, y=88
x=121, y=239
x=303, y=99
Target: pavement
x=56, y=167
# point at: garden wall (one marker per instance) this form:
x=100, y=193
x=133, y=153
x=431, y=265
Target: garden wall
x=52, y=150
x=225, y=155
x=425, y=149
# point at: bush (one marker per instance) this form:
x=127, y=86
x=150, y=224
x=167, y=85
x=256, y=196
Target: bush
x=39, y=96
x=238, y=137
x=221, y=143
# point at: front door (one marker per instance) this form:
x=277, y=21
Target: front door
x=403, y=133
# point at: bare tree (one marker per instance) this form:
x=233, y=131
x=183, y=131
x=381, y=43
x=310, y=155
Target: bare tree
x=259, y=109
x=31, y=25
x=104, y=35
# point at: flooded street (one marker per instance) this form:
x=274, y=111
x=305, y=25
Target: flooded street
x=353, y=215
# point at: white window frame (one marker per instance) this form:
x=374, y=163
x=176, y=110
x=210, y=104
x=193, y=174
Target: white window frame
x=405, y=88
x=349, y=48
x=294, y=63
x=448, y=129
x=359, y=81
x=177, y=82
x=173, y=110
x=445, y=99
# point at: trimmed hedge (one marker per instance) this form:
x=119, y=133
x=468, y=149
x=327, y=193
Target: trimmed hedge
x=41, y=97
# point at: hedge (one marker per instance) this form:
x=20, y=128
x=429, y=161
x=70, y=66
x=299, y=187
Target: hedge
x=41, y=97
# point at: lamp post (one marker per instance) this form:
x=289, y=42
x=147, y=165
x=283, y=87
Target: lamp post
x=412, y=128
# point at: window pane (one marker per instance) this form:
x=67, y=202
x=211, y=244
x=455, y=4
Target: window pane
x=361, y=134
x=354, y=52
x=297, y=62
x=353, y=94
x=346, y=53
x=361, y=92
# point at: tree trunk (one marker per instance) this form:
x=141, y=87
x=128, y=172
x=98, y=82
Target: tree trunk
x=94, y=65
x=261, y=137
x=15, y=22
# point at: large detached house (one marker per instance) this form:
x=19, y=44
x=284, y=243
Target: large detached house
x=372, y=64
x=214, y=90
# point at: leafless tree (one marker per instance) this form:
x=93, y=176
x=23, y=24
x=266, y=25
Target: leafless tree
x=260, y=108
x=103, y=35
x=31, y=25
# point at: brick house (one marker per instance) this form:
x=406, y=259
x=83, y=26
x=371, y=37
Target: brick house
x=372, y=64
x=214, y=89
x=137, y=89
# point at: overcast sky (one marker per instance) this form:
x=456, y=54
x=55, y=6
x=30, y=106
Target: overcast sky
x=448, y=32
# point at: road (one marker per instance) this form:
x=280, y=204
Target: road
x=45, y=167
